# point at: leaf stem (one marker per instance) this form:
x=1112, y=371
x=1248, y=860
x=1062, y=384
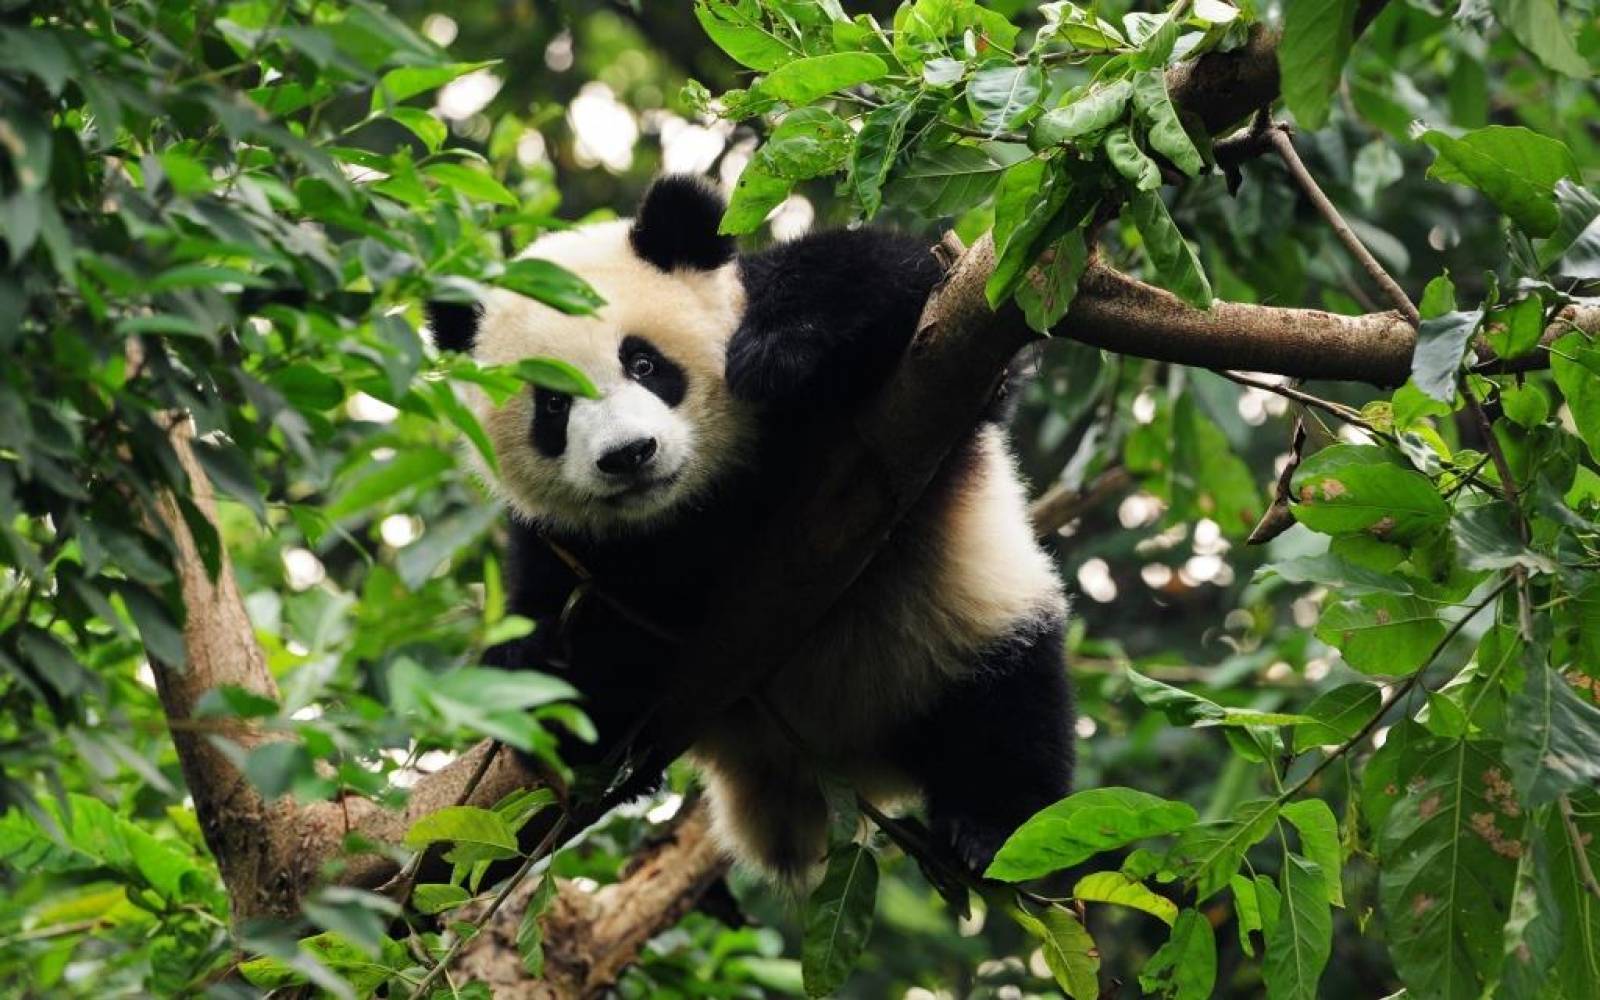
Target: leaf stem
x=1400, y=691
x=1585, y=870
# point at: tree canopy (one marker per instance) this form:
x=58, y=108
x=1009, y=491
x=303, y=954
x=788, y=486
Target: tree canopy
x=1315, y=438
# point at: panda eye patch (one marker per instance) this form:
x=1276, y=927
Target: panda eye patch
x=641, y=365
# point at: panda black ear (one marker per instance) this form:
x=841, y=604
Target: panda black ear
x=454, y=324
x=676, y=225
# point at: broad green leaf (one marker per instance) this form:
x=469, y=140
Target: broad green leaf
x=1383, y=633
x=226, y=466
x=950, y=180
x=1185, y=968
x=1129, y=160
x=804, y=80
x=483, y=832
x=1115, y=887
x=1441, y=344
x=423, y=125
x=1487, y=538
x=1538, y=25
x=1574, y=249
x=1339, y=715
x=1446, y=867
x=877, y=147
x=1576, y=366
x=1319, y=842
x=1552, y=736
x=1182, y=708
x=1176, y=267
x=1350, y=488
x=838, y=919
x=1246, y=911
x=739, y=29
x=475, y=184
x=1005, y=97
x=756, y=193
x=1579, y=961
x=556, y=375
x=434, y=897
x=1299, y=945
x=1166, y=132
x=1515, y=168
x=551, y=284
x=530, y=933
x=1316, y=42
x=1533, y=930
x=1210, y=852
x=383, y=479
x=1338, y=574
x=1081, y=826
x=408, y=81
x=1069, y=951
x=1047, y=294
x=809, y=142
x=1207, y=479
x=1095, y=111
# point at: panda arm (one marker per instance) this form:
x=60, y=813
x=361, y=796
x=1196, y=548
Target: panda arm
x=827, y=316
x=537, y=585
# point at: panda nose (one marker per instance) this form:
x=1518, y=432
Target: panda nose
x=629, y=458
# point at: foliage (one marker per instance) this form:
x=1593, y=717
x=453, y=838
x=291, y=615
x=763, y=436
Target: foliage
x=232, y=211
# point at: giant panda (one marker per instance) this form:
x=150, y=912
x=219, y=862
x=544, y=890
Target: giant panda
x=939, y=676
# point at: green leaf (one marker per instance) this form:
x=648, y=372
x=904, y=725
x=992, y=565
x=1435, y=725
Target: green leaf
x=949, y=180
x=1212, y=851
x=1319, y=842
x=1552, y=736
x=432, y=898
x=1514, y=330
x=1115, y=887
x=1339, y=715
x=481, y=831
x=1538, y=25
x=756, y=193
x=1176, y=267
x=408, y=81
x=551, y=284
x=1046, y=297
x=1533, y=930
x=1446, y=868
x=226, y=466
x=382, y=480
x=1081, y=826
x=1488, y=539
x=1349, y=488
x=1383, y=633
x=1317, y=35
x=809, y=142
x=1299, y=944
x=1005, y=97
x=1515, y=168
x=739, y=29
x=423, y=125
x=1185, y=968
x=1338, y=573
x=877, y=147
x=838, y=919
x=1576, y=366
x=474, y=184
x=555, y=375
x=530, y=933
x=1182, y=708
x=804, y=80
x=1166, y=132
x=1095, y=111
x=1129, y=160
x=1247, y=911
x=1441, y=344
x=1069, y=951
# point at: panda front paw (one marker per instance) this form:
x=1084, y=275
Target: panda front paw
x=974, y=842
x=772, y=368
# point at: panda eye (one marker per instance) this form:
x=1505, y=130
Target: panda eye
x=641, y=366
x=555, y=404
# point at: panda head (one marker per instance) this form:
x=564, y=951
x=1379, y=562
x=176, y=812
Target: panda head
x=664, y=427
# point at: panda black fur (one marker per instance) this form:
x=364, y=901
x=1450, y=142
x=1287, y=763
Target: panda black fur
x=939, y=675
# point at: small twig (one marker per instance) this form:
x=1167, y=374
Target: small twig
x=1585, y=870
x=1280, y=140
x=1338, y=410
x=506, y=890
x=1400, y=691
x=1060, y=505
x=1278, y=517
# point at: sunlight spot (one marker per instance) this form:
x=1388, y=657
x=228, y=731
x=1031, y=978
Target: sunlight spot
x=369, y=408
x=467, y=95
x=1094, y=578
x=1085, y=727
x=1144, y=407
x=440, y=29
x=1156, y=575
x=303, y=569
x=400, y=530
x=604, y=127
x=558, y=54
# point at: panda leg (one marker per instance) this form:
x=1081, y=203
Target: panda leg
x=998, y=746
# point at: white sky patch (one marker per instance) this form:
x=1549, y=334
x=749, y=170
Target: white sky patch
x=400, y=530
x=687, y=148
x=604, y=127
x=1094, y=578
x=467, y=95
x=531, y=148
x=370, y=408
x=440, y=29
x=303, y=569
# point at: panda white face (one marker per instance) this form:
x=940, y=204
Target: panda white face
x=664, y=427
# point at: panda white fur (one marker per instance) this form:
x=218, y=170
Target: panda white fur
x=938, y=676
